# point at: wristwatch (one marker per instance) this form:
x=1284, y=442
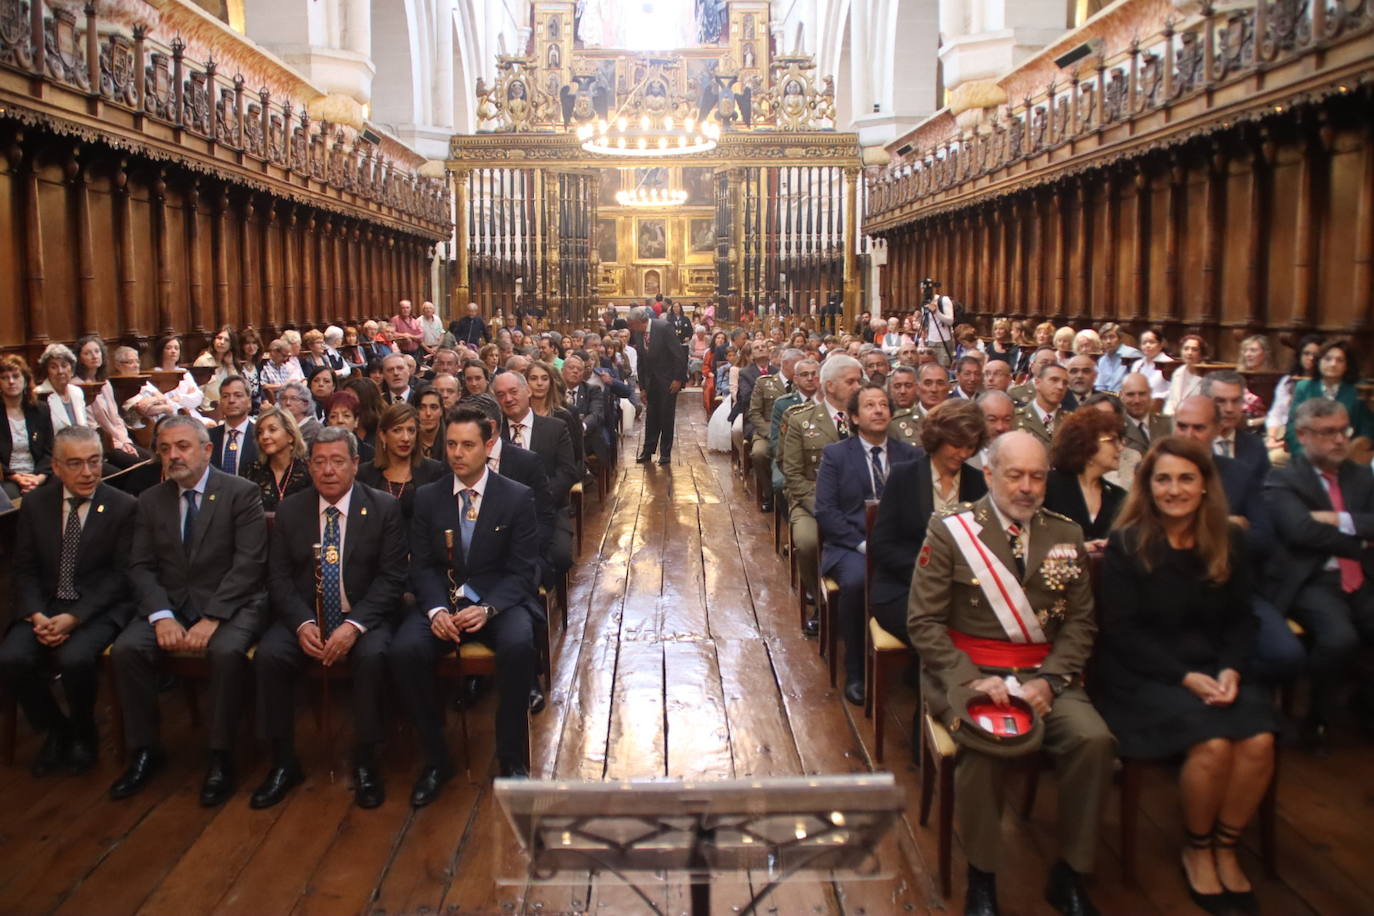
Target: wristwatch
x=1058, y=683
x=490, y=611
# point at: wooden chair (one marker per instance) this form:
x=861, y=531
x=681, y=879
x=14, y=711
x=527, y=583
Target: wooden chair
x=575, y=497
x=938, y=753
x=828, y=607
x=883, y=652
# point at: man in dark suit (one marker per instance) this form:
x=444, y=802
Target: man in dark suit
x=662, y=373
x=955, y=434
x=473, y=543
x=548, y=438
x=1227, y=388
x=361, y=567
x=234, y=440
x=470, y=329
x=587, y=401
x=854, y=470
x=1279, y=654
x=1322, y=573
x=197, y=563
x=397, y=384
x=71, y=597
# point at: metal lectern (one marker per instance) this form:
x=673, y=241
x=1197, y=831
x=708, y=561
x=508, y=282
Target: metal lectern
x=776, y=827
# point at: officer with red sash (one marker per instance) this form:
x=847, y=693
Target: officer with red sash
x=1002, y=606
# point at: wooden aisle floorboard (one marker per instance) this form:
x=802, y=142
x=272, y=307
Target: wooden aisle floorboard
x=682, y=658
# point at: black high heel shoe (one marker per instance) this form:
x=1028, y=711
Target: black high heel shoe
x=1217, y=903
x=1224, y=836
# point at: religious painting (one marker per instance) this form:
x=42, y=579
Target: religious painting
x=749, y=28
x=699, y=183
x=652, y=238
x=610, y=183
x=605, y=240
x=701, y=233
x=652, y=178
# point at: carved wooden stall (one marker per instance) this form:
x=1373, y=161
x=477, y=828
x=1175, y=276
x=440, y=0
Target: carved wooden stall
x=146, y=190
x=769, y=210
x=1216, y=176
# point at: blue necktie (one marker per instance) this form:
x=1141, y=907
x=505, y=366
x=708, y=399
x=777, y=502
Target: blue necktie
x=879, y=478
x=332, y=570
x=467, y=521
x=188, y=526
x=231, y=453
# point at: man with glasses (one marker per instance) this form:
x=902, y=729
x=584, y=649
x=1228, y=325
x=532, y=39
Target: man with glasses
x=360, y=572
x=1323, y=509
x=71, y=598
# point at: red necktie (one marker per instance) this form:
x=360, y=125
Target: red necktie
x=1352, y=575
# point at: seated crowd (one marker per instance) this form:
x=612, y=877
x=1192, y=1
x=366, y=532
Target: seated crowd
x=373, y=496
x=1005, y=471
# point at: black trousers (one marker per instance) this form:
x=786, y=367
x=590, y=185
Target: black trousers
x=25, y=668
x=847, y=569
x=136, y=656
x=1336, y=623
x=414, y=652
x=279, y=662
x=660, y=417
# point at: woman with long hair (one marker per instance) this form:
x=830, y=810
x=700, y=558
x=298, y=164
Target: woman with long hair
x=399, y=466
x=222, y=354
x=1187, y=381
x=1303, y=366
x=26, y=436
x=91, y=359
x=1335, y=379
x=1173, y=649
x=187, y=395
x=429, y=412
x=1152, y=354
x=248, y=363
x=552, y=401
x=280, y=469
x=1002, y=346
x=370, y=407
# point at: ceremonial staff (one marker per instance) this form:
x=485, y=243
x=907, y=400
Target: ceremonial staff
x=326, y=726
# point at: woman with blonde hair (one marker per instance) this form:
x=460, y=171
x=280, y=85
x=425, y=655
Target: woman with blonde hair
x=280, y=469
x=1174, y=645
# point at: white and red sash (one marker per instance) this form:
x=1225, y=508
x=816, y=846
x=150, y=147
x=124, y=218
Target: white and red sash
x=999, y=584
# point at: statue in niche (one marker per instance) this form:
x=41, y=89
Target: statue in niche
x=555, y=57
x=555, y=29
x=747, y=56
x=749, y=28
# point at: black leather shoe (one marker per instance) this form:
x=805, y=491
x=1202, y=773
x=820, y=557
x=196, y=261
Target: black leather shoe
x=766, y=507
x=1065, y=892
x=81, y=756
x=854, y=692
x=52, y=754
x=367, y=787
x=981, y=899
x=280, y=781
x=427, y=786
x=643, y=458
x=515, y=769
x=537, y=701
x=812, y=628
x=219, y=780
x=144, y=765
x=664, y=461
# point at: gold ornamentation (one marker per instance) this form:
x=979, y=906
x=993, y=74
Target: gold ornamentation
x=1060, y=567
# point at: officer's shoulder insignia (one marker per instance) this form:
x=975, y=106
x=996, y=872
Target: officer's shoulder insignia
x=1050, y=513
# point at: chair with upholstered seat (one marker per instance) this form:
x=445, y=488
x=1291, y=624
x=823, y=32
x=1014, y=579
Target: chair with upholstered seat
x=884, y=653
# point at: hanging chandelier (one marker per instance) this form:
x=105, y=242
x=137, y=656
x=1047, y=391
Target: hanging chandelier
x=647, y=136
x=651, y=197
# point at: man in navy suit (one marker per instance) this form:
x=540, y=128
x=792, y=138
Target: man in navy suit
x=483, y=587
x=362, y=573
x=1279, y=654
x=1227, y=388
x=71, y=597
x=854, y=470
x=234, y=440
x=662, y=373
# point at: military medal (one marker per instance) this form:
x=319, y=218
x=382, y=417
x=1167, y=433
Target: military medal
x=331, y=555
x=233, y=446
x=1060, y=567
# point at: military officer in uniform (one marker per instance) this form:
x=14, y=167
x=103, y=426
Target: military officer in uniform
x=1041, y=416
x=1001, y=603
x=810, y=428
x=1024, y=393
x=906, y=423
x=765, y=393
x=806, y=381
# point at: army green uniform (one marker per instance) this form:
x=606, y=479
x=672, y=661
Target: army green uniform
x=809, y=429
x=945, y=595
x=906, y=425
x=1028, y=418
x=1021, y=394
x=766, y=391
x=776, y=428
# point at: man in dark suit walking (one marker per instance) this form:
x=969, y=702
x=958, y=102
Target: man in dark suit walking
x=362, y=572
x=234, y=440
x=197, y=562
x=1323, y=510
x=71, y=597
x=473, y=544
x=662, y=373
x=853, y=470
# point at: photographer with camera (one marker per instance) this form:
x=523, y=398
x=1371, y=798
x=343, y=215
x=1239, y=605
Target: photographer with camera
x=937, y=321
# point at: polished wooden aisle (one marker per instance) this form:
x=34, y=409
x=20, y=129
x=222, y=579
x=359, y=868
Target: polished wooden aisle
x=682, y=658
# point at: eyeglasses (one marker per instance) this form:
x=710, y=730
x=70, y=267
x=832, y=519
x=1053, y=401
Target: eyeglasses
x=333, y=463
x=1343, y=432
x=76, y=464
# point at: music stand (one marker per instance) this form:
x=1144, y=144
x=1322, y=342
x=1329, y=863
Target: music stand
x=778, y=826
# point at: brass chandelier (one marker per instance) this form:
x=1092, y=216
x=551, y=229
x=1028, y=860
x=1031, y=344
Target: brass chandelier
x=648, y=136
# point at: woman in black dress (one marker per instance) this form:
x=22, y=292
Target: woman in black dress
x=280, y=469
x=1087, y=445
x=400, y=466
x=1177, y=630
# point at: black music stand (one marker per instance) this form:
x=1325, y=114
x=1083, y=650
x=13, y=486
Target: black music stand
x=777, y=826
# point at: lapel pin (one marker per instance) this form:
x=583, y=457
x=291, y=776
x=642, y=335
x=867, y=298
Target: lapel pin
x=100, y=508
x=212, y=497
x=364, y=511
